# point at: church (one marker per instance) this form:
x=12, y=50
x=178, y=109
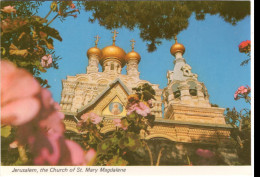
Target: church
x=184, y=118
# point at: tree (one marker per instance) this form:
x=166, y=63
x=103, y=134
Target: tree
x=27, y=39
x=164, y=19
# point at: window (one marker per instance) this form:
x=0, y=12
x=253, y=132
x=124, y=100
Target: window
x=112, y=66
x=193, y=88
x=176, y=91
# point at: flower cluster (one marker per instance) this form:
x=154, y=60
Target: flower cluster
x=242, y=92
x=9, y=9
x=137, y=106
x=46, y=61
x=25, y=104
x=121, y=124
x=244, y=47
x=92, y=117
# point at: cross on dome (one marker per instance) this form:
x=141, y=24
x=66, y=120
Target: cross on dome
x=175, y=38
x=133, y=44
x=97, y=39
x=114, y=36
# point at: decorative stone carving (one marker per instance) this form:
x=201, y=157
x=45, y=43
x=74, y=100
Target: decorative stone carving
x=186, y=69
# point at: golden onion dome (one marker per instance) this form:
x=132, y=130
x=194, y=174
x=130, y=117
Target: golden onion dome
x=94, y=51
x=113, y=51
x=177, y=47
x=132, y=55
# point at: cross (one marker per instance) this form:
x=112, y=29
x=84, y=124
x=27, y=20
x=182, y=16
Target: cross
x=114, y=37
x=133, y=44
x=97, y=39
x=175, y=38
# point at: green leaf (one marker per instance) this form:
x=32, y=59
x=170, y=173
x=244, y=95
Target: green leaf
x=6, y=131
x=51, y=32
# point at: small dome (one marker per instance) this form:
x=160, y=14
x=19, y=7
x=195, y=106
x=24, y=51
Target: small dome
x=177, y=47
x=94, y=51
x=132, y=55
x=115, y=52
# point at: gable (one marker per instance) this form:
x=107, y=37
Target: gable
x=113, y=97
x=114, y=108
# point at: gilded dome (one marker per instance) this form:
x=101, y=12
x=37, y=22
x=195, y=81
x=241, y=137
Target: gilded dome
x=114, y=52
x=177, y=47
x=133, y=55
x=94, y=51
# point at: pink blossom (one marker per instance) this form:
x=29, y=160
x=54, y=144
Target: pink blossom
x=14, y=144
x=143, y=109
x=46, y=61
x=90, y=157
x=205, y=153
x=95, y=119
x=118, y=123
x=39, y=123
x=140, y=108
x=47, y=150
x=132, y=108
x=77, y=156
x=150, y=103
x=8, y=9
x=241, y=92
x=18, y=90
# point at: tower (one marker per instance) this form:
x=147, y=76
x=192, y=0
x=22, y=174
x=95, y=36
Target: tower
x=132, y=58
x=183, y=85
x=113, y=57
x=94, y=55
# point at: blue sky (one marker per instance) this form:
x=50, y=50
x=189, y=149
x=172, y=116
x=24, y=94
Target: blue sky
x=211, y=50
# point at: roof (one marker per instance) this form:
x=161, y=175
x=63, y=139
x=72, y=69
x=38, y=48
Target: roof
x=109, y=87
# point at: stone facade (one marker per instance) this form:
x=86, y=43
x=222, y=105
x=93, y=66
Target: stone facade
x=189, y=119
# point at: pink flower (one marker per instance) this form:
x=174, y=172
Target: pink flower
x=140, y=108
x=90, y=157
x=143, y=109
x=242, y=92
x=118, y=123
x=244, y=47
x=19, y=103
x=46, y=61
x=9, y=9
x=14, y=144
x=77, y=156
x=131, y=108
x=205, y=153
x=150, y=103
x=39, y=123
x=95, y=119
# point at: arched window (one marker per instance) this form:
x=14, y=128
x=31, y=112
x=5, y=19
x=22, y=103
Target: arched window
x=193, y=88
x=112, y=67
x=175, y=90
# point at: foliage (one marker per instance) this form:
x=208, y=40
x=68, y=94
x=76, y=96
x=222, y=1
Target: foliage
x=162, y=19
x=26, y=38
x=241, y=121
x=119, y=147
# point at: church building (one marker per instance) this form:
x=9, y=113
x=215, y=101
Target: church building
x=184, y=118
